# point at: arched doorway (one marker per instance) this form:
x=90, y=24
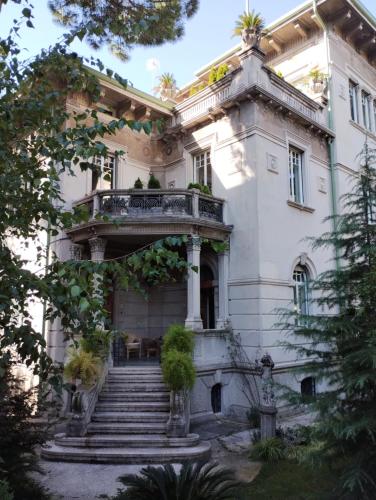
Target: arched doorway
x=207, y=297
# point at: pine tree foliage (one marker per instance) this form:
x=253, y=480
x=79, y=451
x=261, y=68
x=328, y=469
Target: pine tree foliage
x=339, y=344
x=122, y=24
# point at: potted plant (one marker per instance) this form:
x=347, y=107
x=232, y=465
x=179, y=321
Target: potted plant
x=153, y=182
x=83, y=367
x=249, y=27
x=179, y=374
x=138, y=184
x=318, y=79
x=166, y=88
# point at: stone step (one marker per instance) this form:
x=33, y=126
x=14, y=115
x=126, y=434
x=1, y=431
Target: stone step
x=132, y=406
x=124, y=441
x=127, y=456
x=134, y=396
x=134, y=372
x=127, y=428
x=134, y=387
x=128, y=417
x=121, y=379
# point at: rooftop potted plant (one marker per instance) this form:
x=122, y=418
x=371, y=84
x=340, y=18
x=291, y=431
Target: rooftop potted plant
x=318, y=79
x=166, y=88
x=249, y=27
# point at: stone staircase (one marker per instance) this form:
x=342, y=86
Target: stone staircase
x=129, y=425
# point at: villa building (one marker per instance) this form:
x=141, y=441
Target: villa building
x=276, y=140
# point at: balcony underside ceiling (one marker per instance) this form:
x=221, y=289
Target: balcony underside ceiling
x=136, y=232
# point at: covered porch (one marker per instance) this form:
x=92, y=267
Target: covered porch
x=199, y=300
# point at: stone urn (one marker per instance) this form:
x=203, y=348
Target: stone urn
x=179, y=419
x=250, y=38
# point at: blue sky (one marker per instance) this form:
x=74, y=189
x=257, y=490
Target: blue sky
x=208, y=34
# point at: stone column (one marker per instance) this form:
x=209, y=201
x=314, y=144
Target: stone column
x=97, y=248
x=223, y=317
x=268, y=410
x=193, y=319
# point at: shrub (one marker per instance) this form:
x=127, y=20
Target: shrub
x=254, y=418
x=178, y=338
x=20, y=435
x=153, y=183
x=138, y=184
x=269, y=450
x=212, y=76
x=5, y=492
x=83, y=365
x=194, y=481
x=222, y=71
x=200, y=187
x=178, y=370
x=97, y=343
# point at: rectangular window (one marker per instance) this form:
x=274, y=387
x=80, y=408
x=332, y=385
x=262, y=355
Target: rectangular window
x=353, y=94
x=366, y=110
x=296, y=175
x=103, y=173
x=203, y=169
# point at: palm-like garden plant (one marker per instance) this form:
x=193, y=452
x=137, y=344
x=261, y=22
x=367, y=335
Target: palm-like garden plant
x=249, y=21
x=166, y=87
x=195, y=481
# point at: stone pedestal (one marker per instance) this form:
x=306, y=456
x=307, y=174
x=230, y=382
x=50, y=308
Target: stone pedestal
x=268, y=416
x=179, y=420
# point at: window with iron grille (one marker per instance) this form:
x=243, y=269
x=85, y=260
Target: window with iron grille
x=203, y=169
x=296, y=175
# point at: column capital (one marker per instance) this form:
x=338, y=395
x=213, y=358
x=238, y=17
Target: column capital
x=76, y=251
x=97, y=248
x=194, y=243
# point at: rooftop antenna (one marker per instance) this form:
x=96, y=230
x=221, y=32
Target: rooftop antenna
x=247, y=6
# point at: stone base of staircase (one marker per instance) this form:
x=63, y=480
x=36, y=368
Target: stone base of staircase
x=129, y=425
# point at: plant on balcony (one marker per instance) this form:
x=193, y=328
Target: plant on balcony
x=153, y=182
x=138, y=184
x=217, y=73
x=318, y=79
x=194, y=481
x=82, y=365
x=249, y=27
x=201, y=187
x=197, y=88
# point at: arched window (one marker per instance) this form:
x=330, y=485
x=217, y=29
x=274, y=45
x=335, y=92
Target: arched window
x=308, y=387
x=301, y=296
x=216, y=398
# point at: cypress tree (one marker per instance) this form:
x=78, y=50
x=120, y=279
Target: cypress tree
x=339, y=343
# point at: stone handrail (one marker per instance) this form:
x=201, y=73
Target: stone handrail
x=80, y=418
x=148, y=203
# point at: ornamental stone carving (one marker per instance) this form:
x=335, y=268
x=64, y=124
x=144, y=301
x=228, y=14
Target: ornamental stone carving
x=76, y=251
x=97, y=248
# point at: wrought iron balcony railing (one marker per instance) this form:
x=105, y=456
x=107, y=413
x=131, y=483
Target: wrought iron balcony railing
x=148, y=203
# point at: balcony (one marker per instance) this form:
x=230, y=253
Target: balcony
x=152, y=211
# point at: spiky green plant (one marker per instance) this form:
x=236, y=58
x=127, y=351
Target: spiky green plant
x=340, y=341
x=166, y=87
x=269, y=450
x=82, y=365
x=249, y=20
x=195, y=481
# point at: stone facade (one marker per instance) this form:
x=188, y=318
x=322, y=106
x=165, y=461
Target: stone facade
x=251, y=124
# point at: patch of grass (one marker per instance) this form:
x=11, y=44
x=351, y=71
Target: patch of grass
x=287, y=480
